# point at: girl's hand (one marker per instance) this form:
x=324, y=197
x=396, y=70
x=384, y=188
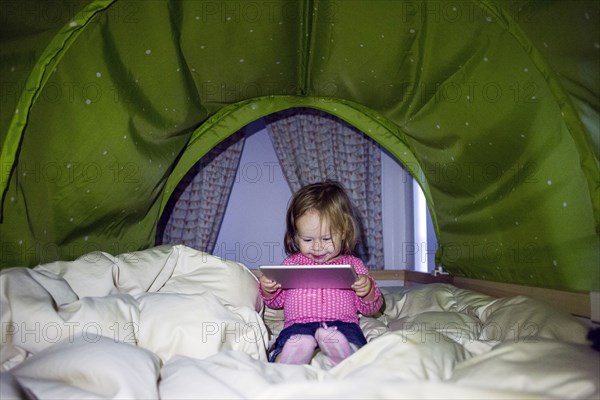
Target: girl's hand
x=362, y=286
x=268, y=286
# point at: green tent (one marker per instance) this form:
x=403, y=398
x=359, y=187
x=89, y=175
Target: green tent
x=493, y=106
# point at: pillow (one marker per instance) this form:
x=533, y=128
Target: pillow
x=401, y=357
x=230, y=281
x=229, y=375
x=274, y=321
x=436, y=326
x=9, y=387
x=166, y=268
x=524, y=319
x=115, y=316
x=35, y=317
x=548, y=368
x=100, y=274
x=435, y=297
x=198, y=325
x=103, y=368
x=373, y=327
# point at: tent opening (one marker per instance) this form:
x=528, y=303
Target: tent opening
x=232, y=203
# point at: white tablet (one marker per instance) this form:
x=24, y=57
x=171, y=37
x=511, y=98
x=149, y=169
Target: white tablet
x=311, y=276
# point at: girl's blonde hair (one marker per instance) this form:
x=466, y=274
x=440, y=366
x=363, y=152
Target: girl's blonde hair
x=331, y=201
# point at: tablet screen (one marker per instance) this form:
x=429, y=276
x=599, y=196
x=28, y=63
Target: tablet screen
x=311, y=276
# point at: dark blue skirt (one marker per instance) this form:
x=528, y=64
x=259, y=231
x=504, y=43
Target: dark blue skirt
x=351, y=330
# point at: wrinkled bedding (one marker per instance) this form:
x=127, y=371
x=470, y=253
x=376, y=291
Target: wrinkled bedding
x=174, y=323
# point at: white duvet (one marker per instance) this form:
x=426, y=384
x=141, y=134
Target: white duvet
x=174, y=323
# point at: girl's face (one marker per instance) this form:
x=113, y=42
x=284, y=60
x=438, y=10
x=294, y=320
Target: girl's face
x=315, y=238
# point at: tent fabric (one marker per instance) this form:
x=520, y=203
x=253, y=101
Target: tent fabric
x=493, y=106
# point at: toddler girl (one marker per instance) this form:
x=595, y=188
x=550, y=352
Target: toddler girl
x=321, y=229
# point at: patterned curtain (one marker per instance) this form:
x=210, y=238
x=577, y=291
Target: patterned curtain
x=195, y=211
x=313, y=146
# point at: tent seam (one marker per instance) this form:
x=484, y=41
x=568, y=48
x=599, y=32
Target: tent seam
x=37, y=79
x=576, y=130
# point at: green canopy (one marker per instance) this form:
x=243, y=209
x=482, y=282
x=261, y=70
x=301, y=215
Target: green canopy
x=493, y=106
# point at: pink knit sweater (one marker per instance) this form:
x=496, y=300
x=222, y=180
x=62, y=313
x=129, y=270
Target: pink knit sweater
x=316, y=305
